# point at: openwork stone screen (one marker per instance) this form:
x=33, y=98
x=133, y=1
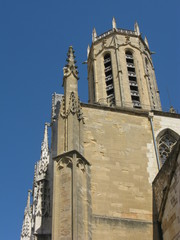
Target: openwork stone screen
x=166, y=143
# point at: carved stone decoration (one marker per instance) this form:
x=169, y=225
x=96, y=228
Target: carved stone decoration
x=81, y=164
x=79, y=112
x=70, y=159
x=74, y=107
x=62, y=108
x=70, y=67
x=42, y=204
x=56, y=104
x=38, y=207
x=26, y=228
x=166, y=144
x=64, y=162
x=42, y=165
x=72, y=103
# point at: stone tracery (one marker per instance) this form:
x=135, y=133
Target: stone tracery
x=165, y=145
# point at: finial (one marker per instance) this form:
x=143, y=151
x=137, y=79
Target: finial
x=71, y=64
x=114, y=23
x=94, y=35
x=71, y=58
x=88, y=50
x=136, y=29
x=146, y=41
x=28, y=206
x=44, y=145
x=45, y=140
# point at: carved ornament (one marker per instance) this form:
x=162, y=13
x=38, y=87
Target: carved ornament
x=74, y=108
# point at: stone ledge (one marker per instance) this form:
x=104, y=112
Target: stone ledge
x=116, y=221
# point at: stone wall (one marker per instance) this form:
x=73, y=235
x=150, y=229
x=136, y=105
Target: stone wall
x=167, y=196
x=117, y=145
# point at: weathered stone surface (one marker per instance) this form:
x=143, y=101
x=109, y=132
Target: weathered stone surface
x=166, y=192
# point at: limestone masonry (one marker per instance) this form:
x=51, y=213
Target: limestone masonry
x=114, y=166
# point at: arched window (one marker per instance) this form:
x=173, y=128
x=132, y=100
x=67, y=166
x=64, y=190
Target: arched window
x=109, y=80
x=166, y=142
x=132, y=80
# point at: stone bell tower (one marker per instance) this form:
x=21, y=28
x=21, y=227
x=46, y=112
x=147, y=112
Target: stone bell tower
x=120, y=70
x=96, y=181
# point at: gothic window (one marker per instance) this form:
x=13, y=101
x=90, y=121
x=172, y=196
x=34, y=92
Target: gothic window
x=109, y=80
x=165, y=145
x=132, y=80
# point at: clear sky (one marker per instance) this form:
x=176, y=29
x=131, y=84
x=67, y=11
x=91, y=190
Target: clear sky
x=34, y=39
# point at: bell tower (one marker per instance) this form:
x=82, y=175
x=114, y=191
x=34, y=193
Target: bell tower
x=120, y=70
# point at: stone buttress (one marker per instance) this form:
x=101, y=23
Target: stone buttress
x=71, y=208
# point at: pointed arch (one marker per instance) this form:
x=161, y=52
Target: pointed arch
x=166, y=140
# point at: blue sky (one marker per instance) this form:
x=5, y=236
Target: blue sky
x=34, y=39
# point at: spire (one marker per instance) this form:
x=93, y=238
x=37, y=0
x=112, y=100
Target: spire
x=146, y=41
x=71, y=64
x=26, y=227
x=114, y=23
x=42, y=164
x=88, y=50
x=44, y=145
x=28, y=205
x=136, y=29
x=94, y=35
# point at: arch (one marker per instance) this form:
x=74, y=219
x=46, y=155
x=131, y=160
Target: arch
x=166, y=140
x=106, y=53
x=130, y=50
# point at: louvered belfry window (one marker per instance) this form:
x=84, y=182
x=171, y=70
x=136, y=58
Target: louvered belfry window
x=109, y=80
x=132, y=80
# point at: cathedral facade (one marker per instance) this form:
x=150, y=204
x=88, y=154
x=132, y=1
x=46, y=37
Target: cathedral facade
x=102, y=177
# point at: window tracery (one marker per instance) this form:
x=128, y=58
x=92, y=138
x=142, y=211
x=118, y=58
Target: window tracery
x=165, y=146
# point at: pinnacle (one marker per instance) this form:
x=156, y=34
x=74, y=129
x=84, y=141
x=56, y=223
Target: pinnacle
x=44, y=145
x=71, y=58
x=28, y=200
